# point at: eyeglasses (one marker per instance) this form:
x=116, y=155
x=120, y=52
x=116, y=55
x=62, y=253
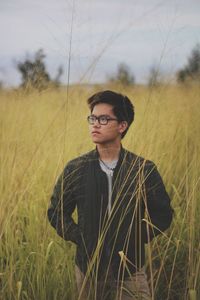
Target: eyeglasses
x=103, y=119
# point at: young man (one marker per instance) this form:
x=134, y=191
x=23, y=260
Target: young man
x=121, y=204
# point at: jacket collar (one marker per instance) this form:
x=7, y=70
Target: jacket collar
x=122, y=155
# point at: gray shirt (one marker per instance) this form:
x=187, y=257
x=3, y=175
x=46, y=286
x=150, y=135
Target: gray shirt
x=106, y=167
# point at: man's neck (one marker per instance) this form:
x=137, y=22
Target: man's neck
x=109, y=153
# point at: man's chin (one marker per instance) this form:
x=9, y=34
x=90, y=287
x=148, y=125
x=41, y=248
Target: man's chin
x=97, y=142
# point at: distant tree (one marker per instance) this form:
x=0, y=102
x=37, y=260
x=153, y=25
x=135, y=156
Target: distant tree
x=1, y=85
x=2, y=75
x=123, y=75
x=155, y=77
x=34, y=73
x=59, y=74
x=192, y=69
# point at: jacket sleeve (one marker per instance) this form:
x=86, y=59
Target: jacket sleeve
x=157, y=204
x=61, y=208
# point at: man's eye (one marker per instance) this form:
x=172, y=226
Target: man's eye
x=103, y=118
x=92, y=118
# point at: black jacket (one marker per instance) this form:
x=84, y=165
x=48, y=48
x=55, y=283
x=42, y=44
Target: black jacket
x=140, y=210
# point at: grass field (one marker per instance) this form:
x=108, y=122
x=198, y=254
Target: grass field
x=39, y=133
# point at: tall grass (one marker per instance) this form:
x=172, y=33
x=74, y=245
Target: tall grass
x=39, y=133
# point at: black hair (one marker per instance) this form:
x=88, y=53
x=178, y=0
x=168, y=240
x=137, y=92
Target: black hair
x=122, y=106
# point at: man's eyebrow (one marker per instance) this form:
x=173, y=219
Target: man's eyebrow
x=101, y=116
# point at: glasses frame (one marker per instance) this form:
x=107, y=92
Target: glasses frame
x=107, y=118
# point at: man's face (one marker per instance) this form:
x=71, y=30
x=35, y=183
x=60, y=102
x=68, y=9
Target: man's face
x=109, y=133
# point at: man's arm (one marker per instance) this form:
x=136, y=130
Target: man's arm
x=157, y=204
x=61, y=208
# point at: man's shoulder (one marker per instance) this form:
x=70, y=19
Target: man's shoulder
x=80, y=161
x=138, y=161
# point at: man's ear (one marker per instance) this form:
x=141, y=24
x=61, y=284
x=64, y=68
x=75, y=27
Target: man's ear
x=123, y=126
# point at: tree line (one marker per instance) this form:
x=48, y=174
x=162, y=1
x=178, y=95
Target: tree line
x=34, y=74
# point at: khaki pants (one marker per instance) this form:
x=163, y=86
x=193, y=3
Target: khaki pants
x=133, y=288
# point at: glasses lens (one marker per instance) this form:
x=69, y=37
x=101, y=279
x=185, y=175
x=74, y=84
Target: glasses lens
x=103, y=120
x=91, y=119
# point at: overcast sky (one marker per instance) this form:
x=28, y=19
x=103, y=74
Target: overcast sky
x=102, y=34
